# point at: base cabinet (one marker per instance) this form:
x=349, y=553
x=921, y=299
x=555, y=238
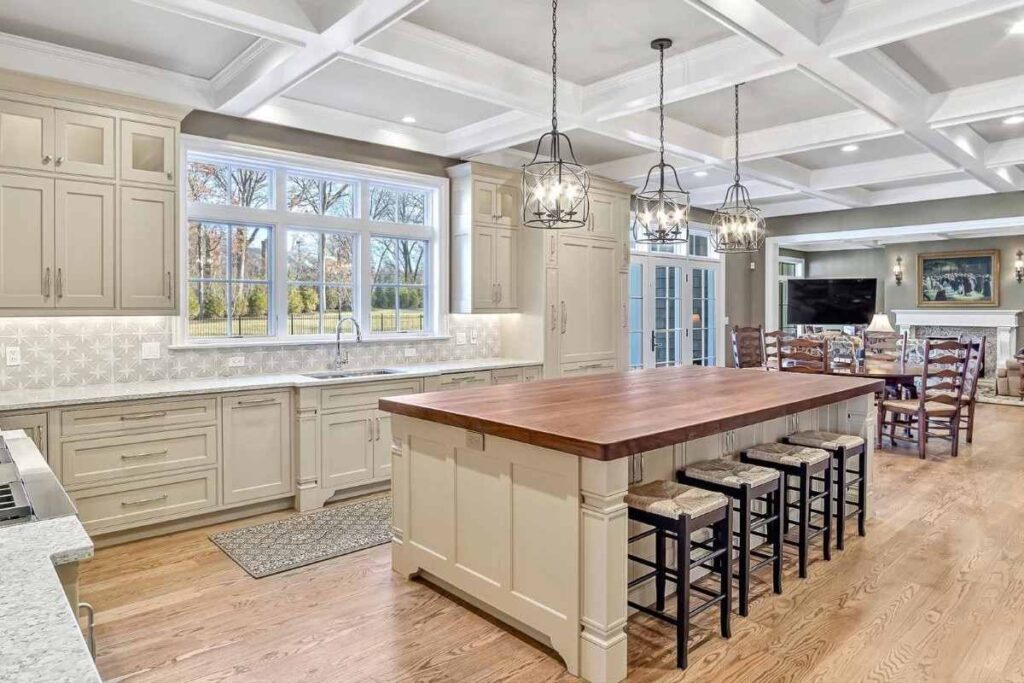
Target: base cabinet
x=257, y=446
x=347, y=445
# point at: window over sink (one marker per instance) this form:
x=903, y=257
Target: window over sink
x=285, y=247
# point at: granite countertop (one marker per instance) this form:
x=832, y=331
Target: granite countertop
x=40, y=639
x=20, y=399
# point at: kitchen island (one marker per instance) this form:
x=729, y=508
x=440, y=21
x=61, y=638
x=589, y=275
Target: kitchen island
x=512, y=496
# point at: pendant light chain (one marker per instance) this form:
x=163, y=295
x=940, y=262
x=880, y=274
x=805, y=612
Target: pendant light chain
x=554, y=65
x=661, y=103
x=736, y=132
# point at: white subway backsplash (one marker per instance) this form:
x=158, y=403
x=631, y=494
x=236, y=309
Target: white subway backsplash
x=75, y=351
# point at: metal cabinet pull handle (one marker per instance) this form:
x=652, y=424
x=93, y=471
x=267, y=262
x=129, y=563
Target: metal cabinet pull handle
x=170, y=176
x=46, y=284
x=47, y=159
x=376, y=429
x=256, y=401
x=60, y=283
x=135, y=456
x=500, y=297
x=60, y=160
x=143, y=501
x=565, y=318
x=625, y=315
x=554, y=318
x=143, y=416
x=369, y=430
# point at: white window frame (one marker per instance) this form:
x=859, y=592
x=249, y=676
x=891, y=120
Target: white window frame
x=435, y=231
x=801, y=266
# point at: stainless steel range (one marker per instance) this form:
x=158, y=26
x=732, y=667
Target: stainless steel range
x=14, y=502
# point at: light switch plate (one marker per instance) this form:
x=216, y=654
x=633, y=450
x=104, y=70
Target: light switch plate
x=460, y=338
x=13, y=355
x=236, y=362
x=410, y=351
x=472, y=337
x=150, y=350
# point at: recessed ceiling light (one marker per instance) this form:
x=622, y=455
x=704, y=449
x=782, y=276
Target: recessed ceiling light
x=1017, y=27
x=849, y=148
x=1013, y=120
x=700, y=174
x=408, y=119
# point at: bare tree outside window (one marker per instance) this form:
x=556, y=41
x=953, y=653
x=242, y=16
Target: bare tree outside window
x=223, y=184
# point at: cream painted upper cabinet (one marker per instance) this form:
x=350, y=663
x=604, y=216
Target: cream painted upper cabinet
x=588, y=311
x=506, y=262
x=494, y=265
x=146, y=249
x=84, y=144
x=26, y=242
x=495, y=203
x=147, y=153
x=84, y=245
x=26, y=136
x=257, y=446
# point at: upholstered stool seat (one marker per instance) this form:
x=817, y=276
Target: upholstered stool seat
x=747, y=484
x=828, y=441
x=787, y=454
x=675, y=512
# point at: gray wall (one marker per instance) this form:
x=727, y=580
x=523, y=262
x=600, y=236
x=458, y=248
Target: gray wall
x=849, y=263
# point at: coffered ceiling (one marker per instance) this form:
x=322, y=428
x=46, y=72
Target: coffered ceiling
x=845, y=104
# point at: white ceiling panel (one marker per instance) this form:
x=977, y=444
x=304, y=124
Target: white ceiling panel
x=126, y=30
x=784, y=98
x=877, y=149
x=994, y=130
x=367, y=91
x=915, y=182
x=596, y=38
x=964, y=54
x=592, y=148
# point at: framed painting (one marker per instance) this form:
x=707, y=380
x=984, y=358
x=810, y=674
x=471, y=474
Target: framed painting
x=958, y=279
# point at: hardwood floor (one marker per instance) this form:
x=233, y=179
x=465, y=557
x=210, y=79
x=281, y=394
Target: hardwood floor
x=934, y=593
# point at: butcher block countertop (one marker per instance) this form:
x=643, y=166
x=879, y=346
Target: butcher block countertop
x=612, y=416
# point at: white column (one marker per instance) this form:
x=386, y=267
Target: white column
x=603, y=546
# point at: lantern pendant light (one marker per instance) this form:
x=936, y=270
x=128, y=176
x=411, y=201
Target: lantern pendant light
x=555, y=187
x=661, y=211
x=737, y=227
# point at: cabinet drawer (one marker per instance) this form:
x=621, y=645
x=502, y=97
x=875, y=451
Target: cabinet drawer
x=533, y=374
x=116, y=457
x=126, y=416
x=366, y=395
x=459, y=380
x=152, y=500
x=507, y=376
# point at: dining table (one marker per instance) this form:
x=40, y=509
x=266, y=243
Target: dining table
x=895, y=373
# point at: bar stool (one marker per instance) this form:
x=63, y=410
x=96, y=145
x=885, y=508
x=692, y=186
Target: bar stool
x=843, y=448
x=676, y=511
x=803, y=463
x=744, y=484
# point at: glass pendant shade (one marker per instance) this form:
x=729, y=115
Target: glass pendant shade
x=737, y=226
x=556, y=187
x=661, y=210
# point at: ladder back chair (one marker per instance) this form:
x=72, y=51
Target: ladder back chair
x=889, y=346
x=804, y=355
x=773, y=342
x=748, y=347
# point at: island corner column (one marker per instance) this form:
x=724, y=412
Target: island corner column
x=604, y=529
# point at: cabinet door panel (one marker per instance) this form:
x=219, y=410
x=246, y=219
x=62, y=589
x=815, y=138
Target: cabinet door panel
x=603, y=314
x=26, y=136
x=146, y=242
x=506, y=205
x=26, y=242
x=484, y=290
x=347, y=444
x=602, y=216
x=573, y=306
x=84, y=245
x=147, y=153
x=382, y=446
x=485, y=202
x=257, y=446
x=84, y=144
x=506, y=249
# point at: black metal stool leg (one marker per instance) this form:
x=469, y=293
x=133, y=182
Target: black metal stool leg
x=683, y=592
x=724, y=532
x=659, y=577
x=805, y=509
x=778, y=509
x=840, y=459
x=744, y=500
x=827, y=516
x=862, y=493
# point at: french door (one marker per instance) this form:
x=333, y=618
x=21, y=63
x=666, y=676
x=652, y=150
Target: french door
x=672, y=312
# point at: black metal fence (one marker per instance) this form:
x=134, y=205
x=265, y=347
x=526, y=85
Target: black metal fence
x=300, y=323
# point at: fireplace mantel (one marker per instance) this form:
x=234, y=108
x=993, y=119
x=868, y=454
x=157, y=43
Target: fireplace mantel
x=1007, y=323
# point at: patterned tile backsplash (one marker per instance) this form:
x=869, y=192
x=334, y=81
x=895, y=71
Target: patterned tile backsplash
x=74, y=351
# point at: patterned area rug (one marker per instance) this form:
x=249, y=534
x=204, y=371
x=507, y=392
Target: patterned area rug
x=275, y=547
x=987, y=394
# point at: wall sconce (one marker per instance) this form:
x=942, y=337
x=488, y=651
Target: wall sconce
x=897, y=271
x=1018, y=266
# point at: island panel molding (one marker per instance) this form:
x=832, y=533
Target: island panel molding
x=612, y=416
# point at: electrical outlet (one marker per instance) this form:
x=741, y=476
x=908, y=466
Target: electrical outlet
x=13, y=355
x=410, y=351
x=472, y=337
x=236, y=362
x=150, y=350
x=460, y=338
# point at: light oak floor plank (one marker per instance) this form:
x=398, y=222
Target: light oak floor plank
x=935, y=592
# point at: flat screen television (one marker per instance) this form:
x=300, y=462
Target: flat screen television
x=831, y=301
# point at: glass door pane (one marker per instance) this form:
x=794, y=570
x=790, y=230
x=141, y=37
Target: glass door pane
x=704, y=324
x=636, y=316
x=667, y=340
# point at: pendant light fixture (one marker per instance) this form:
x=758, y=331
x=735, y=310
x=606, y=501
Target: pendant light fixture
x=661, y=211
x=737, y=227
x=555, y=187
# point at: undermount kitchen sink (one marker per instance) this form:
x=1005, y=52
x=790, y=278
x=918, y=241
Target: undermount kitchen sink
x=341, y=374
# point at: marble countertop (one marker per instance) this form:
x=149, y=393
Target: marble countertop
x=40, y=639
x=21, y=399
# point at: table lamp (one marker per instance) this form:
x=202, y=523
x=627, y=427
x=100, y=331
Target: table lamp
x=880, y=323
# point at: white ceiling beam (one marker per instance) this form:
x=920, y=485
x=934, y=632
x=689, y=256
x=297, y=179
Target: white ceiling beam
x=688, y=74
x=979, y=102
x=366, y=20
x=800, y=206
x=901, y=168
x=954, y=188
x=681, y=140
x=496, y=133
x=49, y=60
x=259, y=59
x=282, y=21
x=798, y=179
x=824, y=131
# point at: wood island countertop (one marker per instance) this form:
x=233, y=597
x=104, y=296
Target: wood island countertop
x=612, y=416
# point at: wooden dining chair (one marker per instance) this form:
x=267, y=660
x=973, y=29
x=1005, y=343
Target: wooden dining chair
x=804, y=355
x=887, y=346
x=936, y=412
x=773, y=342
x=748, y=347
x=969, y=399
